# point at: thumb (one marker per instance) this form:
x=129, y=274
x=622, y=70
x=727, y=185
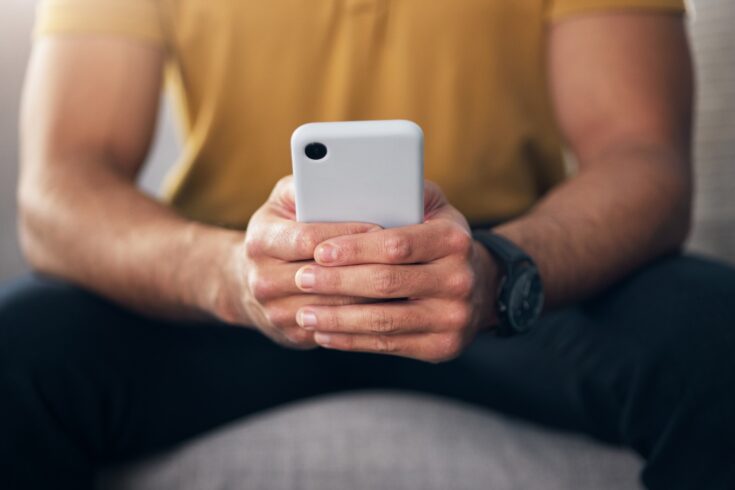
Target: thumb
x=283, y=197
x=434, y=200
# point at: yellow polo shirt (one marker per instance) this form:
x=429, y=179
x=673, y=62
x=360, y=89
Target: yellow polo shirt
x=246, y=73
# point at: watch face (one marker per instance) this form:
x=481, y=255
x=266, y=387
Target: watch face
x=526, y=299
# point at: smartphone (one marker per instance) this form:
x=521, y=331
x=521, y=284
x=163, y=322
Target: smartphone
x=359, y=171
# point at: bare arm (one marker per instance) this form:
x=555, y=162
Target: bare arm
x=622, y=87
x=88, y=115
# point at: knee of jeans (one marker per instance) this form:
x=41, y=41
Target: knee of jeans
x=685, y=365
x=694, y=315
x=672, y=301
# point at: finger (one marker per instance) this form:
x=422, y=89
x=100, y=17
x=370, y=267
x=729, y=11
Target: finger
x=292, y=241
x=272, y=280
x=446, y=278
x=283, y=195
x=283, y=312
x=373, y=281
x=424, y=347
x=434, y=199
x=406, y=245
x=401, y=317
x=281, y=315
x=277, y=282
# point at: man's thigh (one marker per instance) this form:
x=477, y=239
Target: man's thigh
x=123, y=385
x=617, y=367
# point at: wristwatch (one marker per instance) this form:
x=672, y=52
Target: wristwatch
x=521, y=293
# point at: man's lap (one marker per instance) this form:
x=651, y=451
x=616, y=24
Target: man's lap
x=152, y=383
x=611, y=367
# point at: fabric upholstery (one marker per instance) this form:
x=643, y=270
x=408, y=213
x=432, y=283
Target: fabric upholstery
x=382, y=440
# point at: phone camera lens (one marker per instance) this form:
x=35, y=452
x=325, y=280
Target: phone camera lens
x=315, y=151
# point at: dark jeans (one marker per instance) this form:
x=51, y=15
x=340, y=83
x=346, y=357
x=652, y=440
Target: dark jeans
x=649, y=364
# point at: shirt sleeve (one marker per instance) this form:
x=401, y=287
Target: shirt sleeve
x=558, y=9
x=139, y=19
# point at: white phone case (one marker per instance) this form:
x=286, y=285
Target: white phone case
x=373, y=172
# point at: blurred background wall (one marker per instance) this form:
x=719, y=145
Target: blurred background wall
x=713, y=42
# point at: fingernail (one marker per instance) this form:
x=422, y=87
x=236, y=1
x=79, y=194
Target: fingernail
x=307, y=320
x=322, y=338
x=327, y=253
x=306, y=279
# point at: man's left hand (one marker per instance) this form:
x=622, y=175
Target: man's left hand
x=433, y=286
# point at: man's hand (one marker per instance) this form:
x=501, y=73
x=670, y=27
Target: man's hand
x=434, y=283
x=260, y=289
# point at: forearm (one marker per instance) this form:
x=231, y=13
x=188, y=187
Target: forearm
x=88, y=224
x=606, y=221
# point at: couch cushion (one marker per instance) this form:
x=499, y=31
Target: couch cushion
x=382, y=440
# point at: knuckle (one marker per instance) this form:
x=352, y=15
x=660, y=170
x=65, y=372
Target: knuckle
x=305, y=239
x=386, y=282
x=449, y=347
x=461, y=283
x=261, y=288
x=397, y=248
x=278, y=316
x=254, y=246
x=283, y=185
x=381, y=322
x=460, y=241
x=458, y=316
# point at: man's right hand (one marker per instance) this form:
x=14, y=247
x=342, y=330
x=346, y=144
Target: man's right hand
x=259, y=287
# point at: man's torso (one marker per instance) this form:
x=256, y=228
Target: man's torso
x=470, y=72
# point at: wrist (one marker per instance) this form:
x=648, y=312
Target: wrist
x=215, y=256
x=520, y=297
x=488, y=282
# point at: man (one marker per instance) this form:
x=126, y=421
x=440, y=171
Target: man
x=636, y=343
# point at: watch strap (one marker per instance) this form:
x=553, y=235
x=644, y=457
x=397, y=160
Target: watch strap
x=510, y=258
x=503, y=249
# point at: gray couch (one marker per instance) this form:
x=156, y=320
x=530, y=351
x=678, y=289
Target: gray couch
x=382, y=440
